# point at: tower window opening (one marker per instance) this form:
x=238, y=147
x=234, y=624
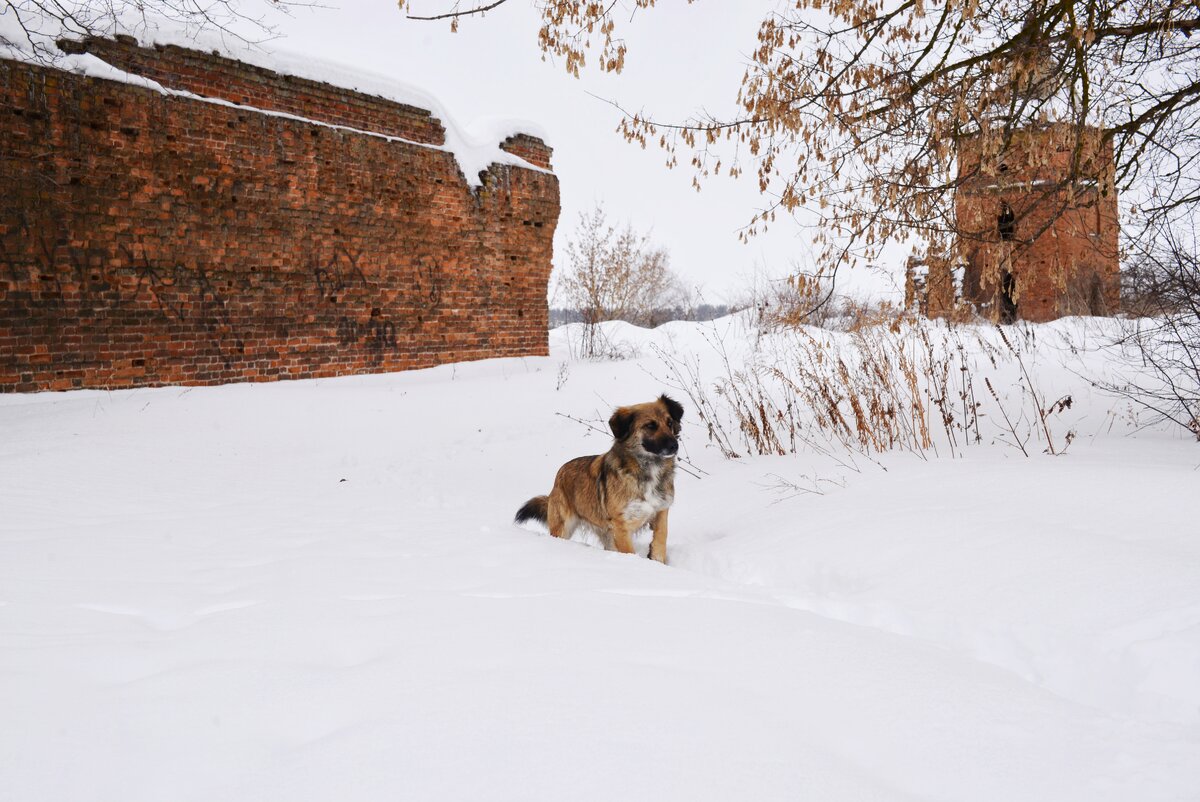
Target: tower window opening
x=1006, y=222
x=1007, y=302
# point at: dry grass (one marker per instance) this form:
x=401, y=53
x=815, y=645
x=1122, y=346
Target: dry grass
x=891, y=382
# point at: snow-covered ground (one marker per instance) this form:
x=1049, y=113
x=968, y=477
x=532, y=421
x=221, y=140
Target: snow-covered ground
x=312, y=591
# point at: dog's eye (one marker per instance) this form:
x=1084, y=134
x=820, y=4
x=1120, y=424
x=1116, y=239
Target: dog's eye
x=652, y=425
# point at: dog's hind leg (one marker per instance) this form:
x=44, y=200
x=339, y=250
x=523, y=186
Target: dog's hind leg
x=560, y=522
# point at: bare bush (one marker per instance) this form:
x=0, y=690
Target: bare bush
x=615, y=273
x=1161, y=343
x=802, y=298
x=853, y=315
x=909, y=385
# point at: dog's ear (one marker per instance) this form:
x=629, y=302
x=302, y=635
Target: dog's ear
x=674, y=409
x=621, y=422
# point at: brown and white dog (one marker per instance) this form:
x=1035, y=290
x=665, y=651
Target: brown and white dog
x=622, y=490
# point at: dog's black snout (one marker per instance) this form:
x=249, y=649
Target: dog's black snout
x=661, y=446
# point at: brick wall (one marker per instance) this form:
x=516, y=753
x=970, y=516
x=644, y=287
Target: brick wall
x=148, y=239
x=1063, y=252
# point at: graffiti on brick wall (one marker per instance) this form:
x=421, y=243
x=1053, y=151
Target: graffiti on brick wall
x=350, y=309
x=186, y=294
x=339, y=274
x=83, y=281
x=377, y=334
x=340, y=280
x=428, y=291
x=54, y=283
x=52, y=280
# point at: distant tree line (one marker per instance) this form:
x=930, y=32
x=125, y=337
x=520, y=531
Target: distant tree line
x=561, y=316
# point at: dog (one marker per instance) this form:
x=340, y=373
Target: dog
x=620, y=491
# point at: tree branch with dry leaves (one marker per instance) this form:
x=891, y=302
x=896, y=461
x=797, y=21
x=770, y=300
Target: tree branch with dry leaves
x=856, y=109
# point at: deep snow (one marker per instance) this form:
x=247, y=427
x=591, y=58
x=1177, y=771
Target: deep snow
x=312, y=590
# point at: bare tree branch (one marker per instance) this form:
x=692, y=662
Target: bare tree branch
x=453, y=14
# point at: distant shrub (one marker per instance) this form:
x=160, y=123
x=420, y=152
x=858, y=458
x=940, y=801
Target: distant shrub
x=615, y=273
x=561, y=316
x=1161, y=343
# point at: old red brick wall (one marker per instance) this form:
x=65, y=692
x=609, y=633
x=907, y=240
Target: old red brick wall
x=150, y=239
x=1063, y=254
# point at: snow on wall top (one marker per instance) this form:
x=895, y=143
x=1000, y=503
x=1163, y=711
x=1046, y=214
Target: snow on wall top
x=475, y=146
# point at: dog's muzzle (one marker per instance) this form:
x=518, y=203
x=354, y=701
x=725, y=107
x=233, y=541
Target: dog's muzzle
x=662, y=448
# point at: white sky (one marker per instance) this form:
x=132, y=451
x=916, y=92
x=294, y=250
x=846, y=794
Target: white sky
x=681, y=58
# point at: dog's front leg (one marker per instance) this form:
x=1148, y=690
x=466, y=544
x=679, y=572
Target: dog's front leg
x=621, y=535
x=658, y=545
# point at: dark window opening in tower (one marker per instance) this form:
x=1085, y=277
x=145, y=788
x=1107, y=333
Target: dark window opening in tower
x=1007, y=299
x=1097, y=305
x=1007, y=222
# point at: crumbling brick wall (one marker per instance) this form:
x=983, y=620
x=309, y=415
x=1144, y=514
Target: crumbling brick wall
x=150, y=239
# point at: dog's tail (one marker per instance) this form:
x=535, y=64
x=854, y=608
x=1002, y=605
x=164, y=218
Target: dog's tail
x=534, y=509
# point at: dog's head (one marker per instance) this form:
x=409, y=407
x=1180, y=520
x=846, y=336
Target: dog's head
x=651, y=428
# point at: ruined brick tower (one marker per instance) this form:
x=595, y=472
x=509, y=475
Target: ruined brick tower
x=1033, y=244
